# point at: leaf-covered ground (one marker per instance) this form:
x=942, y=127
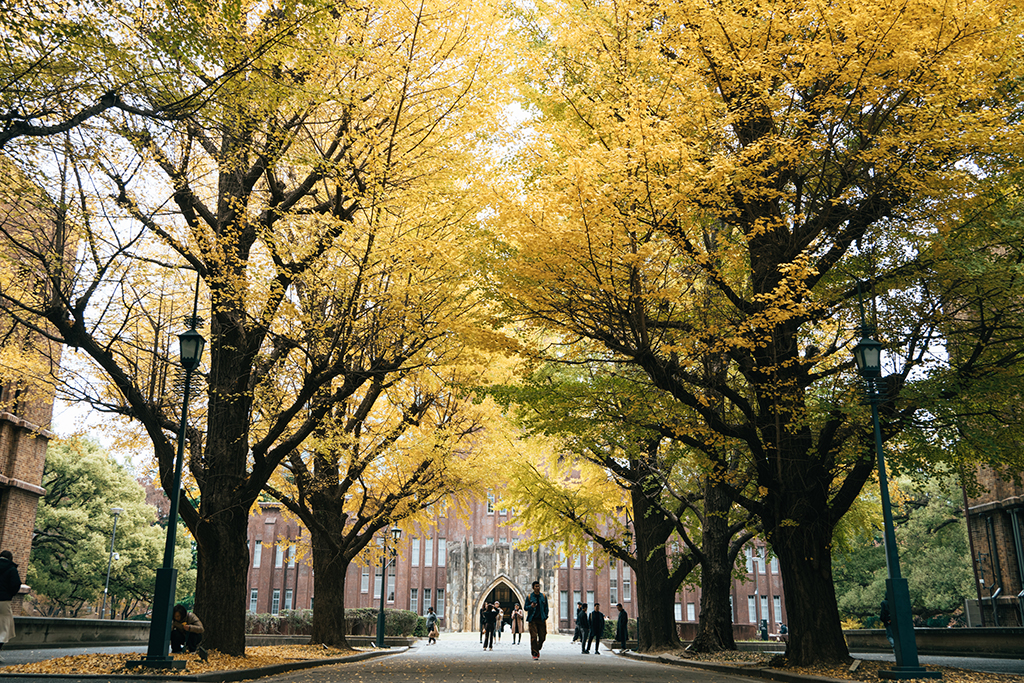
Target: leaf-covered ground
x=866, y=670
x=255, y=658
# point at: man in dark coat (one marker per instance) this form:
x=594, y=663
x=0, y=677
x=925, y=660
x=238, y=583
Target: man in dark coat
x=536, y=619
x=10, y=585
x=584, y=623
x=490, y=621
x=622, y=627
x=596, y=628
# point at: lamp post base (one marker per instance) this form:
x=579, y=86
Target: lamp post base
x=157, y=663
x=905, y=672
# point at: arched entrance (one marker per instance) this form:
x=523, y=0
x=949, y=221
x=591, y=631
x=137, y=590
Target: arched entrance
x=501, y=590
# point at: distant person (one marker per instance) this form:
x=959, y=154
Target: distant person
x=518, y=624
x=886, y=618
x=500, y=621
x=537, y=619
x=584, y=623
x=622, y=627
x=576, y=632
x=431, y=626
x=490, y=621
x=596, y=628
x=186, y=632
x=10, y=585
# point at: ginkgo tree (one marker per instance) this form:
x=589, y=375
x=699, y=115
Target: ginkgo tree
x=707, y=181
x=337, y=121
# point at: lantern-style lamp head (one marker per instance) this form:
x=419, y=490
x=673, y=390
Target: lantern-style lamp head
x=396, y=533
x=868, y=356
x=190, y=346
x=117, y=511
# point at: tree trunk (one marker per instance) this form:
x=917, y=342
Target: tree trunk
x=656, y=625
x=331, y=568
x=714, y=632
x=815, y=632
x=220, y=581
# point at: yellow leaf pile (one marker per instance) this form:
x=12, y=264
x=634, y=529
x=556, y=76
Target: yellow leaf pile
x=255, y=658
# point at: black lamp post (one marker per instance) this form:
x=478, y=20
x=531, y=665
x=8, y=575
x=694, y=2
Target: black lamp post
x=396, y=534
x=868, y=356
x=110, y=559
x=190, y=346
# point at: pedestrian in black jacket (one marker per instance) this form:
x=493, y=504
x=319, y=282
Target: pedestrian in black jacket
x=10, y=585
x=596, y=628
x=583, y=619
x=622, y=627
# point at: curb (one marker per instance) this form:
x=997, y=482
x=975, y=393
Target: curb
x=218, y=676
x=751, y=672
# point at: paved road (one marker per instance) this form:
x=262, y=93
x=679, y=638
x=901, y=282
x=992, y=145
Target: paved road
x=987, y=665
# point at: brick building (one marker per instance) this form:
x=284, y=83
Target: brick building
x=463, y=562
x=994, y=522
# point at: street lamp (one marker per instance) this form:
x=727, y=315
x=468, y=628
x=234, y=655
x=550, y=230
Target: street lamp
x=110, y=559
x=396, y=534
x=190, y=347
x=868, y=356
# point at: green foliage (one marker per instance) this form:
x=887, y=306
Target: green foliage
x=934, y=557
x=71, y=541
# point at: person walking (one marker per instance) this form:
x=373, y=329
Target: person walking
x=536, y=619
x=490, y=619
x=886, y=619
x=596, y=628
x=583, y=621
x=431, y=626
x=576, y=632
x=518, y=621
x=622, y=627
x=10, y=585
x=500, y=620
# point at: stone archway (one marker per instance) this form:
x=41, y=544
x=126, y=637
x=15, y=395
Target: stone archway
x=502, y=589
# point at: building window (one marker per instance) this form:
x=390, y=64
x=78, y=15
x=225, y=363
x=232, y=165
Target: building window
x=679, y=611
x=414, y=600
x=777, y=604
x=377, y=579
x=751, y=609
x=577, y=598
x=489, y=540
x=442, y=553
x=364, y=583
x=750, y=560
x=257, y=554
x=563, y=603
x=287, y=598
x=760, y=554
x=775, y=565
x=440, y=601
x=764, y=606
x=613, y=590
x=428, y=551
x=275, y=601
x=490, y=503
x=590, y=600
x=576, y=561
x=426, y=600
x=254, y=598
x=565, y=558
x=291, y=555
x=415, y=552
x=279, y=556
x=590, y=555
x=627, y=588
x=391, y=582
x=310, y=602
x=691, y=612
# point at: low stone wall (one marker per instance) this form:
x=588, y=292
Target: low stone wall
x=953, y=642
x=40, y=632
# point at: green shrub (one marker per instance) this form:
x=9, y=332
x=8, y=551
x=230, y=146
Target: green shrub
x=421, y=628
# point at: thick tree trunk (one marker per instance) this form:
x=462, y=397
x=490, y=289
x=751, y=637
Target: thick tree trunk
x=815, y=632
x=330, y=567
x=220, y=582
x=714, y=632
x=656, y=624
